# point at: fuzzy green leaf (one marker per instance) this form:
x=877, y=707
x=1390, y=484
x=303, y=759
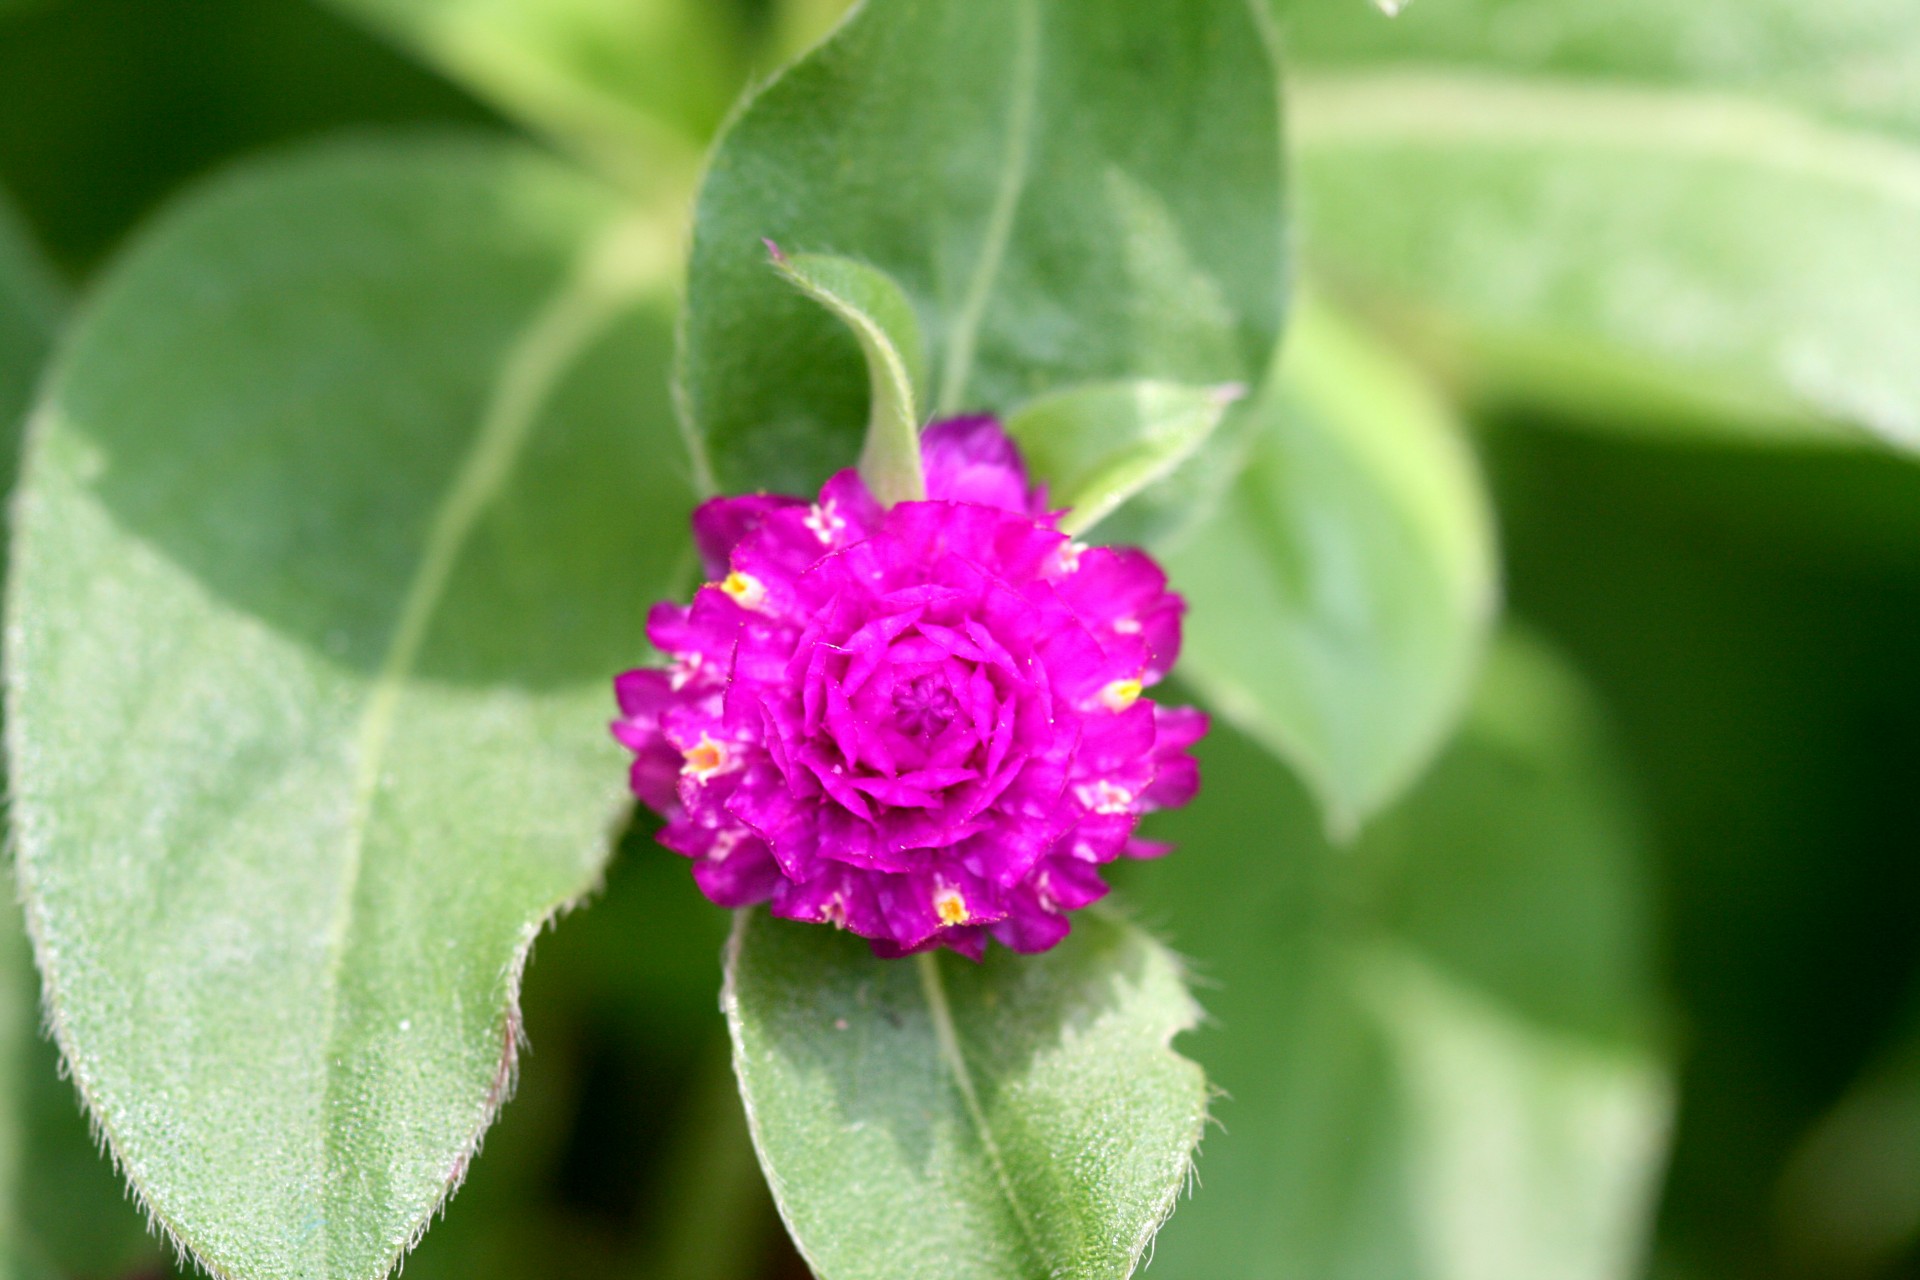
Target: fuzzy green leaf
x=1340, y=593
x=882, y=321
x=1689, y=215
x=932, y=1119
x=1098, y=446
x=26, y=323
x=18, y=1021
x=350, y=489
x=1069, y=191
x=1460, y=1074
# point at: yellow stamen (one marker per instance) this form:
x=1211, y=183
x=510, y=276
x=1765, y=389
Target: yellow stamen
x=951, y=907
x=706, y=758
x=747, y=591
x=1121, y=694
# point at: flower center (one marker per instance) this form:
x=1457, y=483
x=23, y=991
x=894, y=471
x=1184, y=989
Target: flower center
x=923, y=706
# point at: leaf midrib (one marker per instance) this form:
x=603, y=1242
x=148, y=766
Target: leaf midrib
x=963, y=335
x=947, y=1038
x=590, y=299
x=1439, y=107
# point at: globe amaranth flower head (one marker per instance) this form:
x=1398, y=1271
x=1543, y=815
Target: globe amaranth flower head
x=924, y=723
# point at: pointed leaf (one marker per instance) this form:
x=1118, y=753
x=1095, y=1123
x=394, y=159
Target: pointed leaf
x=1340, y=593
x=351, y=486
x=1459, y=1072
x=1696, y=213
x=930, y=1118
x=1098, y=446
x=1068, y=190
x=882, y=321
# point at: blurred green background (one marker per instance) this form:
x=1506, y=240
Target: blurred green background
x=1750, y=619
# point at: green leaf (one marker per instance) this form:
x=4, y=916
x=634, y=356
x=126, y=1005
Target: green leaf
x=882, y=321
x=18, y=1019
x=798, y=25
x=1340, y=593
x=62, y=1210
x=350, y=489
x=634, y=85
x=1439, y=1049
x=1069, y=191
x=933, y=1118
x=1699, y=214
x=1098, y=446
x=66, y=1211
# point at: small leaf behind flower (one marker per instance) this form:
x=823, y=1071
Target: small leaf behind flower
x=1021, y=1119
x=1098, y=446
x=882, y=320
x=1342, y=590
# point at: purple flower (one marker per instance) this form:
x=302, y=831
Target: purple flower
x=924, y=723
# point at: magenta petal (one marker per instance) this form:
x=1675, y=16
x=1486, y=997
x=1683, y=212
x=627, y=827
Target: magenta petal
x=1031, y=929
x=972, y=460
x=742, y=878
x=720, y=524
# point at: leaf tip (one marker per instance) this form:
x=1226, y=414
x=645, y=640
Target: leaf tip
x=774, y=252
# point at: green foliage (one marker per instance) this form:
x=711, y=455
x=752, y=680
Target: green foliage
x=1437, y=1046
x=1750, y=617
x=1641, y=210
x=1106, y=204
x=308, y=651
x=26, y=322
x=1341, y=590
x=16, y=1033
x=28, y=304
x=1851, y=1192
x=633, y=85
x=1013, y=1120
x=355, y=479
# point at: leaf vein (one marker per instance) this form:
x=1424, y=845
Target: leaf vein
x=1384, y=107
x=605, y=280
x=948, y=1039
x=964, y=336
